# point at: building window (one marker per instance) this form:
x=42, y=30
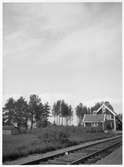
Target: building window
x=108, y=116
x=95, y=124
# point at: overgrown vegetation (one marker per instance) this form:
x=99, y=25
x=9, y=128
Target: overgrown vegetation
x=41, y=140
x=46, y=136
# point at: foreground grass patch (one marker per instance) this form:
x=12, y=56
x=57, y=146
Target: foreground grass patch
x=46, y=139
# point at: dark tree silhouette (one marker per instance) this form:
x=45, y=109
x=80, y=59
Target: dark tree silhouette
x=9, y=111
x=80, y=111
x=16, y=113
x=21, y=114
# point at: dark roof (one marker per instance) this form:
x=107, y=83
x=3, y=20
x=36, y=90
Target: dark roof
x=8, y=127
x=93, y=118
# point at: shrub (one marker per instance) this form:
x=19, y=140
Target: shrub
x=55, y=135
x=94, y=129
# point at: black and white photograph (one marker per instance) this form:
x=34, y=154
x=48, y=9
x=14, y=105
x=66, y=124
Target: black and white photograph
x=62, y=83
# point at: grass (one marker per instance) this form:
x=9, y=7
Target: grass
x=46, y=139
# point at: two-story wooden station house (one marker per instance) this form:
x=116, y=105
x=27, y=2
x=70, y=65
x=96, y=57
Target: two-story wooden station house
x=104, y=117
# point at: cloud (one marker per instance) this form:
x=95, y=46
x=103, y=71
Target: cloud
x=71, y=49
x=44, y=30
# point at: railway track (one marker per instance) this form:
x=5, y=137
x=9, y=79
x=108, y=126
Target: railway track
x=87, y=153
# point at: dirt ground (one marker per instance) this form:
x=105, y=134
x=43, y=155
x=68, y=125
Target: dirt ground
x=115, y=158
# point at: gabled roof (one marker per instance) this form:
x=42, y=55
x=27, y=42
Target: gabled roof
x=104, y=106
x=93, y=118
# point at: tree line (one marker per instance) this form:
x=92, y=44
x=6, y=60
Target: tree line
x=20, y=113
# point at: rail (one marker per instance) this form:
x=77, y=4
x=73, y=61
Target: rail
x=34, y=159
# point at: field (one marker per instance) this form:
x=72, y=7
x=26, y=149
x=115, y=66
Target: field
x=46, y=139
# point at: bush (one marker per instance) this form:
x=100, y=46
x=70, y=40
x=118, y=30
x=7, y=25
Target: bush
x=43, y=124
x=94, y=129
x=54, y=135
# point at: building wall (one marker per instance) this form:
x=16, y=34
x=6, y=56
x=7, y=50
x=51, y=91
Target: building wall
x=109, y=124
x=7, y=132
x=88, y=124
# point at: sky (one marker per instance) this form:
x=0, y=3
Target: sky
x=70, y=51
